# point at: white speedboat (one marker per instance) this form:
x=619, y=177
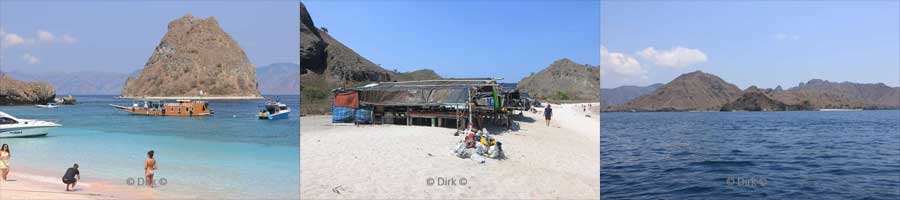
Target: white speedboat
x=48, y=105
x=11, y=127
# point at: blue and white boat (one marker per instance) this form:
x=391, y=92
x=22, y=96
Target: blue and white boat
x=274, y=110
x=11, y=127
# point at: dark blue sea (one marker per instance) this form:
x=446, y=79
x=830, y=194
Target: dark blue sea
x=227, y=155
x=750, y=155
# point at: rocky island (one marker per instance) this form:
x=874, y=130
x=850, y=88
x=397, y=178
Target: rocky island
x=15, y=92
x=196, y=59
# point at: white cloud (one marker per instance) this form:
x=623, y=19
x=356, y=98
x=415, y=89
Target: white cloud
x=677, y=57
x=11, y=40
x=45, y=36
x=68, y=39
x=30, y=59
x=785, y=36
x=620, y=64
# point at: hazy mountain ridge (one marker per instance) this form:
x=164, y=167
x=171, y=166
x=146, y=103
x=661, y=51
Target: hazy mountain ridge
x=78, y=83
x=279, y=78
x=622, y=94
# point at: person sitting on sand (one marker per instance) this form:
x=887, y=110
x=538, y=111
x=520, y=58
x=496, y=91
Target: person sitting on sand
x=149, y=166
x=4, y=161
x=548, y=112
x=71, y=177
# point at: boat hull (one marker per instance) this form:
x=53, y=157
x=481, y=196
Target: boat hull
x=279, y=115
x=158, y=112
x=25, y=132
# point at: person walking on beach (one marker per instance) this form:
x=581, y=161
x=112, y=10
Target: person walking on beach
x=4, y=161
x=548, y=112
x=71, y=177
x=149, y=166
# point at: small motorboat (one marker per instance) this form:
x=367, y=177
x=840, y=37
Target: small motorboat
x=274, y=110
x=48, y=105
x=12, y=127
x=161, y=108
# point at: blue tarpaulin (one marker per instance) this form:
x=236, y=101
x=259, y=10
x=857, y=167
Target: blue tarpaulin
x=364, y=115
x=342, y=114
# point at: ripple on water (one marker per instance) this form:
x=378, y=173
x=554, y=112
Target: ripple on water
x=803, y=155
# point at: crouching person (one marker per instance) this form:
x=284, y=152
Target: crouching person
x=71, y=177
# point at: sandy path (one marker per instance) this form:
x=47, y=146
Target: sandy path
x=388, y=161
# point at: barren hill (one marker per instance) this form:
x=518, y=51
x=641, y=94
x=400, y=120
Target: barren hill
x=564, y=80
x=195, y=58
x=695, y=91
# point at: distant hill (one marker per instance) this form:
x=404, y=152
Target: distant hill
x=326, y=63
x=754, y=99
x=564, y=80
x=878, y=94
x=622, y=94
x=78, y=83
x=695, y=91
x=279, y=78
x=422, y=74
x=698, y=91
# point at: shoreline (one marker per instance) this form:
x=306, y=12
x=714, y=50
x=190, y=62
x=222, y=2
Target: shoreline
x=30, y=183
x=195, y=98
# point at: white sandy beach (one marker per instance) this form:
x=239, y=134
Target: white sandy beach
x=44, y=185
x=393, y=161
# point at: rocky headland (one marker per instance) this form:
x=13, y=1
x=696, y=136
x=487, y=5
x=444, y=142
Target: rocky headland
x=15, y=92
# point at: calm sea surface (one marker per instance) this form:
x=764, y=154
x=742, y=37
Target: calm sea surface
x=228, y=155
x=750, y=155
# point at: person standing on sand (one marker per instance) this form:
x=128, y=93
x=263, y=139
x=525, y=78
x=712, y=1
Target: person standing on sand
x=71, y=177
x=149, y=166
x=4, y=161
x=548, y=112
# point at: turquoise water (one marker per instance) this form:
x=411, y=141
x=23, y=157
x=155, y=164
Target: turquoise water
x=230, y=154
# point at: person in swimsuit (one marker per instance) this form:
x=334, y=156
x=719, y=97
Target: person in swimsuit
x=4, y=161
x=71, y=177
x=149, y=166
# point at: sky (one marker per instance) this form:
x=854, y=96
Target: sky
x=109, y=36
x=762, y=43
x=465, y=39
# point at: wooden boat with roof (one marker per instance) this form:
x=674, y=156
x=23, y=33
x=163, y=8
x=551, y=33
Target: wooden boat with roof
x=162, y=108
